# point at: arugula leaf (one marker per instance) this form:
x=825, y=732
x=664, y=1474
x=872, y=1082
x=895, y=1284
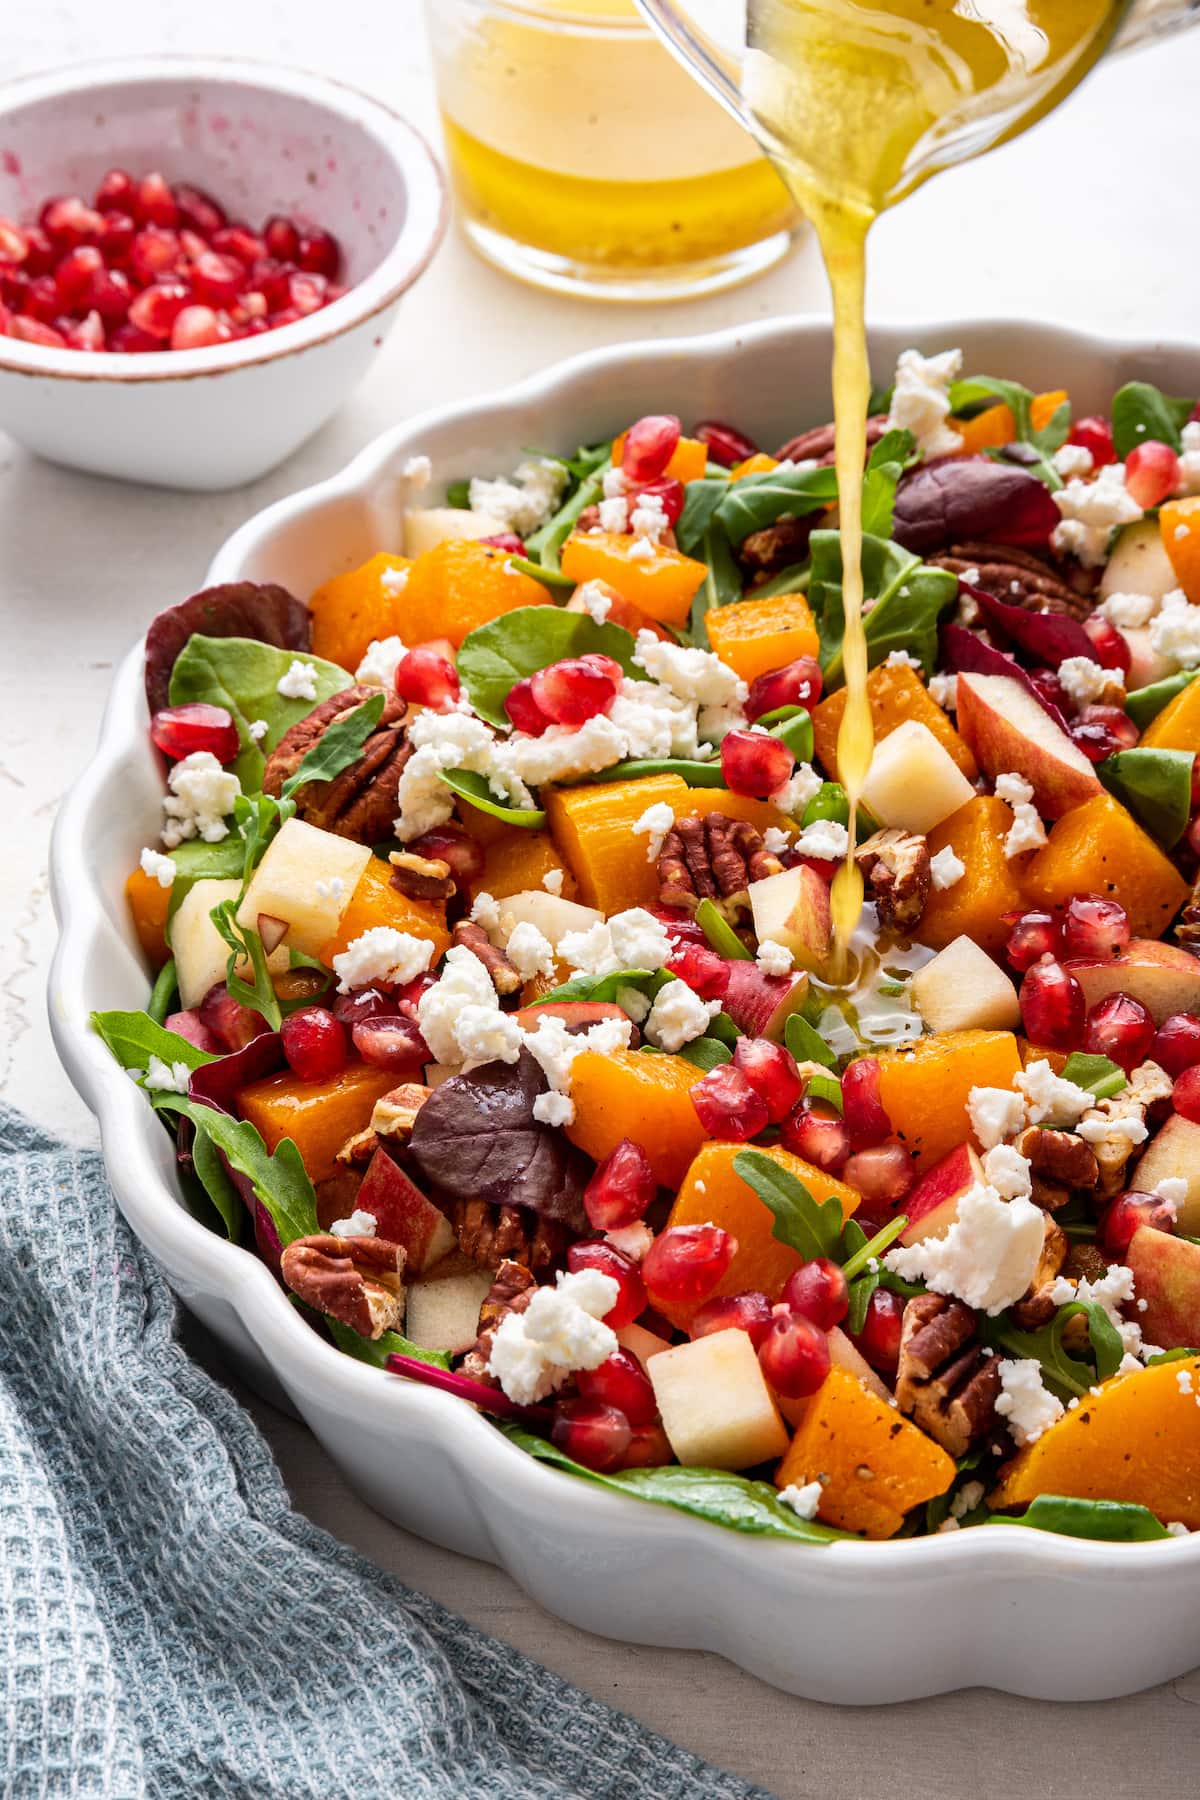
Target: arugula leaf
x=858, y=1254
x=214, y=1179
x=889, y=458
x=550, y=578
x=720, y=933
x=1156, y=786
x=605, y=988
x=1145, y=703
x=700, y=501
x=722, y=584
x=475, y=791
x=706, y=1053
x=1095, y=1073
x=377, y=1350
x=908, y=596
x=696, y=774
x=827, y=1088
x=966, y=396
x=243, y=676
x=134, y=1037
x=806, y=1043
x=792, y=580
x=859, y=1300
x=504, y=651
x=734, y=1501
x=1141, y=413
x=800, y=1223
x=246, y=946
x=756, y=501
x=1105, y=1339
x=278, y=1177
x=545, y=545
x=1062, y=1373
x=1110, y=1521
x=166, y=985
x=1183, y=1354
x=458, y=495
x=339, y=748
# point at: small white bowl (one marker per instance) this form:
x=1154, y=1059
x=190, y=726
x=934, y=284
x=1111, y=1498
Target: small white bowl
x=261, y=140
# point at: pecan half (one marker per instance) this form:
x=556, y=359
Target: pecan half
x=777, y=545
x=511, y=1292
x=354, y=1280
x=421, y=877
x=945, y=1381
x=1058, y=1162
x=818, y=445
x=1187, y=932
x=707, y=856
x=361, y=802
x=395, y=1113
x=895, y=867
x=1017, y=576
x=474, y=938
x=491, y=1235
x=1148, y=1086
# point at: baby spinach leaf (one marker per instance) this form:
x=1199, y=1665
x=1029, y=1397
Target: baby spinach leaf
x=696, y=774
x=197, y=861
x=909, y=597
x=706, y=1053
x=793, y=726
x=166, y=985
x=278, y=1177
x=213, y=1177
x=545, y=545
x=1095, y=1073
x=722, y=1027
x=1145, y=704
x=1156, y=786
x=134, y=1037
x=475, y=791
x=519, y=643
x=1109, y=1521
x=243, y=676
x=720, y=933
x=722, y=584
x=806, y=1043
x=377, y=1350
x=338, y=748
x=758, y=500
x=734, y=1501
x=458, y=495
x=1142, y=413
x=800, y=1223
x=700, y=501
x=793, y=580
x=827, y=1088
x=886, y=464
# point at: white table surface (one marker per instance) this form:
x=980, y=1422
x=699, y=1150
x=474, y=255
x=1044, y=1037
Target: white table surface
x=1090, y=220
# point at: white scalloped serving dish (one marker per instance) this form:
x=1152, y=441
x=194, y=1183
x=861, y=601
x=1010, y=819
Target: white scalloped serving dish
x=1033, y=1614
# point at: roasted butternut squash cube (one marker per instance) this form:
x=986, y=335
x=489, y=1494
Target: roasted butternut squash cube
x=647, y=1098
x=352, y=609
x=924, y=1087
x=148, y=905
x=662, y=584
x=995, y=426
x=753, y=636
x=1099, y=848
x=896, y=693
x=592, y=828
x=459, y=585
x=1177, y=726
x=518, y=861
x=318, y=1116
x=975, y=905
x=1179, y=523
x=375, y=901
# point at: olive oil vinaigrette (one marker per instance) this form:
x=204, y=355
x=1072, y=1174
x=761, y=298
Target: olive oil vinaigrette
x=858, y=104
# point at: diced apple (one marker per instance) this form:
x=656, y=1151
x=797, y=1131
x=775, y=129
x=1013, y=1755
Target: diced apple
x=427, y=527
x=553, y=916
x=1139, y=563
x=716, y=1408
x=641, y=1343
x=1010, y=733
x=760, y=1004
x=201, y=953
x=792, y=908
x=843, y=1355
x=1163, y=977
x=576, y=1015
x=1166, y=1280
x=962, y=989
x=285, y=884
x=403, y=1214
x=1146, y=664
x=932, y=1206
x=443, y=1310
x=1173, y=1153
x=914, y=782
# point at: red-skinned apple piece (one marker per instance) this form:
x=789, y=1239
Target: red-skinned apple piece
x=1163, y=977
x=1173, y=1154
x=403, y=1214
x=760, y=1004
x=932, y=1207
x=1166, y=1278
x=1009, y=733
x=792, y=908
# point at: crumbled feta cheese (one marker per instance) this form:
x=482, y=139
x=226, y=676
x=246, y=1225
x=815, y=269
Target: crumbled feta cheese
x=1091, y=512
x=967, y=612
x=921, y=400
x=614, y=482
x=987, y=1257
x=590, y=952
x=1175, y=633
x=695, y=675
x=1072, y=459
x=1176, y=1528
x=160, y=868
x=1128, y=612
x=1027, y=831
x=300, y=681
x=1183, y=1380
x=529, y=951
x=614, y=513
x=653, y=721
x=654, y=825
x=648, y=518
x=356, y=1224
x=1086, y=681
x=803, y=785
x=560, y=754
x=774, y=958
x=1130, y=1126
x=554, y=1109
x=944, y=690
x=776, y=840
x=555, y=1049
x=166, y=1078
x=995, y=1114
x=258, y=729
x=946, y=868
x=823, y=838
x=631, y=1000
x=677, y=1016
x=1189, y=459
x=1112, y=1291
x=1025, y=1401
x=526, y=501
x=1008, y=1172
x=378, y=667
x=393, y=582
x=903, y=659
x=714, y=723
x=449, y=740
x=803, y=1501
x=968, y=1497
x=1051, y=1099
x=641, y=549
x=418, y=470
x=382, y=954
x=631, y=1241
x=485, y=912
x=333, y=889
x=552, y=881
x=464, y=984
x=201, y=795
x=1173, y=1189
x=561, y=1330
x=595, y=600
x=486, y=1034
x=639, y=939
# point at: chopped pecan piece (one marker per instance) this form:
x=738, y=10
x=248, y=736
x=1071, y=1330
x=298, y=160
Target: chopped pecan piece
x=357, y=1151
x=1036, y=1308
x=421, y=877
x=945, y=1381
x=1018, y=577
x=474, y=938
x=491, y=1234
x=712, y=857
x=354, y=1280
x=361, y=802
x=818, y=445
x=1059, y=1161
x=1187, y=932
x=1147, y=1087
x=895, y=867
x=395, y=1112
x=777, y=545
x=511, y=1292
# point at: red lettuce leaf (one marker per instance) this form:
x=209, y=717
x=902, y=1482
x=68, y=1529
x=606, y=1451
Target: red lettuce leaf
x=488, y=1399
x=251, y=609
x=1048, y=637
x=969, y=655
x=956, y=499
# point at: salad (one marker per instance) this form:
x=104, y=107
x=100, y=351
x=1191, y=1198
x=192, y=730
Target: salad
x=498, y=1005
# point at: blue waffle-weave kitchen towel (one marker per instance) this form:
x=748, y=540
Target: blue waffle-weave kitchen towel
x=171, y=1627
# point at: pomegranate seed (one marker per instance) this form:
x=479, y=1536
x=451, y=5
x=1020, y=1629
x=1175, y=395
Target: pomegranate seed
x=111, y=293
x=5, y=319
x=523, y=709
x=883, y=1173
x=754, y=763
x=862, y=1109
x=1052, y=1007
x=649, y=1448
x=115, y=193
x=88, y=334
x=179, y=731
x=1095, y=434
x=706, y=973
x=591, y=1433
x=69, y=221
x=391, y=1041
x=408, y=997
x=681, y=926
x=427, y=679
x=306, y=292
x=1097, y=742
x=1111, y=646
x=187, y=1025
x=217, y=279
x=281, y=238
x=879, y=1339
x=1151, y=473
x=666, y=490
x=73, y=276
x=36, y=331
x=157, y=307
x=131, y=341
x=1050, y=689
x=1094, y=928
x=570, y=693
x=727, y=1106
x=818, y=1291
x=622, y=1382
x=116, y=239
x=649, y=446
x=505, y=540
x=798, y=683
x=233, y=1025
x=154, y=253
x=814, y=1132
x=605, y=665
x=314, y=1043
x=1176, y=1044
x=153, y=201
x=685, y=1262
x=750, y=1313
x=1033, y=935
x=42, y=253
x=1127, y=1214
x=445, y=844
x=621, y=1189
x=318, y=253
x=41, y=299
x=14, y=245
x=196, y=327
x=631, y=1297
x=238, y=241
x=724, y=443
x=1186, y=1097
x=772, y=1073
x=794, y=1354
x=198, y=210
x=1115, y=720
x=192, y=244
x=367, y=1003
x=1120, y=1028
x=290, y=315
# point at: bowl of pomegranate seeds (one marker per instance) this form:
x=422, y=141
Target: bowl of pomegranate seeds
x=198, y=261
x=448, y=952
